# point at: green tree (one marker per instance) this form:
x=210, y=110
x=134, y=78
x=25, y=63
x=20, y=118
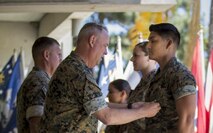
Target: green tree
x=178, y=15
x=124, y=20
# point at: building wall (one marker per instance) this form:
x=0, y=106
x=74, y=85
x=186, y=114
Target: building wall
x=14, y=35
x=33, y=1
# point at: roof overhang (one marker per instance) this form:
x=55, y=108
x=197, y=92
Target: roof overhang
x=48, y=6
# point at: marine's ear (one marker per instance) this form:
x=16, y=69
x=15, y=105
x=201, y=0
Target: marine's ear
x=169, y=43
x=46, y=54
x=92, y=40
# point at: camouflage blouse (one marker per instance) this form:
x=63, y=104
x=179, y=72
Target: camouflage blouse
x=30, y=98
x=138, y=95
x=168, y=85
x=72, y=98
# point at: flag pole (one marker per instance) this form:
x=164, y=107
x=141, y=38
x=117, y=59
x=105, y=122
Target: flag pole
x=200, y=34
x=14, y=56
x=23, y=74
x=119, y=60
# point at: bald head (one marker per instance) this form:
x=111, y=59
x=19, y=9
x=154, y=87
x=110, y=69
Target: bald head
x=92, y=43
x=90, y=29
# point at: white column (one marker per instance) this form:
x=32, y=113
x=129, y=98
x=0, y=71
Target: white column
x=76, y=27
x=66, y=42
x=66, y=45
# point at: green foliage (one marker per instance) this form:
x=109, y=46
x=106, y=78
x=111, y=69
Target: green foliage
x=125, y=45
x=125, y=20
x=180, y=16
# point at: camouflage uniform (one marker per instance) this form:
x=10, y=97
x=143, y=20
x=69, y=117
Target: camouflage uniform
x=30, y=98
x=116, y=129
x=138, y=95
x=174, y=82
x=72, y=98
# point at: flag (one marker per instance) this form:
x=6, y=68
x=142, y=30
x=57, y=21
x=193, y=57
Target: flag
x=209, y=94
x=4, y=81
x=111, y=68
x=8, y=121
x=105, y=76
x=133, y=77
x=118, y=60
x=5, y=76
x=11, y=125
x=106, y=72
x=198, y=72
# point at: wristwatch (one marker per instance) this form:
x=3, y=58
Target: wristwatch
x=129, y=105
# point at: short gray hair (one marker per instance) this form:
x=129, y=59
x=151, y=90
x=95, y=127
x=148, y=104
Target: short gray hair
x=90, y=28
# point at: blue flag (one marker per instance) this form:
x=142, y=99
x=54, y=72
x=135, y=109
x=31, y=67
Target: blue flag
x=4, y=81
x=8, y=121
x=107, y=66
x=11, y=125
x=5, y=75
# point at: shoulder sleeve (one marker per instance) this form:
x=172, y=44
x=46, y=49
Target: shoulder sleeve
x=184, y=91
x=183, y=84
x=35, y=96
x=93, y=99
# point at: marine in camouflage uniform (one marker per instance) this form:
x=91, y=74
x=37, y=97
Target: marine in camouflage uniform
x=30, y=99
x=72, y=97
x=168, y=85
x=31, y=96
x=138, y=95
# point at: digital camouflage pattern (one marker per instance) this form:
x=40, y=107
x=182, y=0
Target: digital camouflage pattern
x=116, y=129
x=138, y=95
x=168, y=85
x=72, y=98
x=30, y=98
